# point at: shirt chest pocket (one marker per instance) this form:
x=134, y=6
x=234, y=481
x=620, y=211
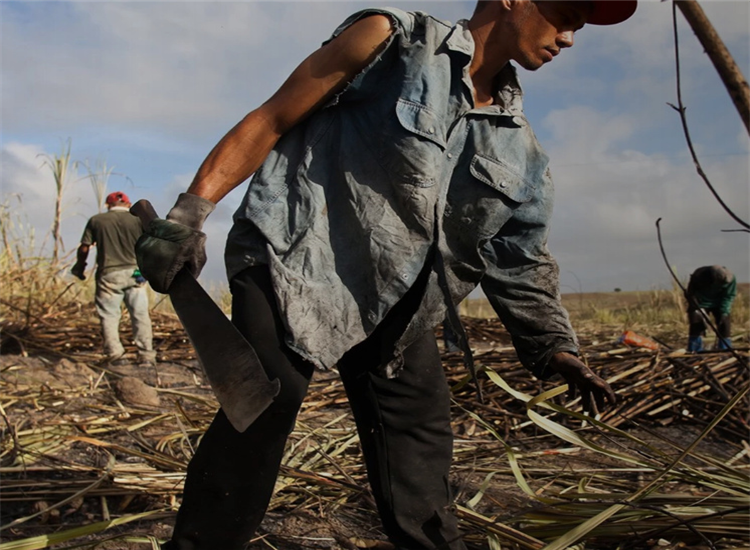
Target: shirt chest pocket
x=479, y=206
x=412, y=144
x=502, y=178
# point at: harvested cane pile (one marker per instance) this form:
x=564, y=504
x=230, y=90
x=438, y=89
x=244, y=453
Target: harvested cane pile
x=79, y=463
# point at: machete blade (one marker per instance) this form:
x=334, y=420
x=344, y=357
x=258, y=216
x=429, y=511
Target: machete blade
x=230, y=363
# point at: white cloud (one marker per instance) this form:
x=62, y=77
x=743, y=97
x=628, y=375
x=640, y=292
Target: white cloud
x=583, y=135
x=609, y=199
x=167, y=66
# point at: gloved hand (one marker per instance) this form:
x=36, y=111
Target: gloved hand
x=168, y=245
x=139, y=278
x=78, y=270
x=581, y=378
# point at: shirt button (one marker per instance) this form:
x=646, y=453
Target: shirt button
x=404, y=276
x=431, y=131
x=503, y=184
x=450, y=156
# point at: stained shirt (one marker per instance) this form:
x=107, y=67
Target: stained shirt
x=398, y=173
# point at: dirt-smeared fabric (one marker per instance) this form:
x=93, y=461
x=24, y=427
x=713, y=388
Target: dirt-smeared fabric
x=348, y=208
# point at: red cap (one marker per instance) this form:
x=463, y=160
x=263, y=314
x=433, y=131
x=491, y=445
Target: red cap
x=117, y=196
x=611, y=12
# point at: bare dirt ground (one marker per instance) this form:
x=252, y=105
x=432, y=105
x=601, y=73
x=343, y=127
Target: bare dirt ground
x=85, y=442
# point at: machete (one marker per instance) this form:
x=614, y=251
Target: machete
x=231, y=365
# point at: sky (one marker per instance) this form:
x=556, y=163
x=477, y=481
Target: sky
x=149, y=87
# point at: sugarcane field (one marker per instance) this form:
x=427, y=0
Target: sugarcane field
x=94, y=455
x=326, y=275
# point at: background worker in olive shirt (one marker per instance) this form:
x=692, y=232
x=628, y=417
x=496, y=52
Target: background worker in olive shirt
x=712, y=288
x=114, y=233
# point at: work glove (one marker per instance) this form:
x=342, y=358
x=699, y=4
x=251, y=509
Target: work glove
x=78, y=270
x=168, y=245
x=139, y=278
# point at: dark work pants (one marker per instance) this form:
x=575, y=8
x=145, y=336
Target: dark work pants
x=698, y=324
x=403, y=425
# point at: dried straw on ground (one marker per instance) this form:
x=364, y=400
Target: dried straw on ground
x=525, y=474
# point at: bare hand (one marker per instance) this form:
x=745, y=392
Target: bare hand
x=581, y=379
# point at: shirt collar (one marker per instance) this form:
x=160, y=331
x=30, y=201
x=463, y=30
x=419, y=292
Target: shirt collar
x=509, y=93
x=119, y=209
x=460, y=39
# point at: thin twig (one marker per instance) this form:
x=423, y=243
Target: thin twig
x=681, y=110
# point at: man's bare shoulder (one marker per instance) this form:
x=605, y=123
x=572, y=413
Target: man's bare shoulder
x=376, y=22
x=365, y=33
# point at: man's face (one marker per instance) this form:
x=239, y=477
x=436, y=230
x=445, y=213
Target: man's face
x=543, y=28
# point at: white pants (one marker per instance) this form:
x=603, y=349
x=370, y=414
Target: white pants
x=111, y=289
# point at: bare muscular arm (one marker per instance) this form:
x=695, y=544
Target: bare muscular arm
x=324, y=73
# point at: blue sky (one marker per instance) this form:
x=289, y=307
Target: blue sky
x=150, y=87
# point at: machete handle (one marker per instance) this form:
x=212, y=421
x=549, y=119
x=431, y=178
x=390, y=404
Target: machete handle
x=144, y=211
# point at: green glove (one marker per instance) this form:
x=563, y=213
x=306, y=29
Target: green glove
x=176, y=242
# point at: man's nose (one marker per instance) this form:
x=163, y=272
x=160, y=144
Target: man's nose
x=565, y=39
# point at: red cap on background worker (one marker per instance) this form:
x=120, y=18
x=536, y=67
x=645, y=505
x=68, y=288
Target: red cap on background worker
x=118, y=197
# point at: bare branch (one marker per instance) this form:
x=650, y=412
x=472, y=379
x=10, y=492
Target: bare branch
x=723, y=61
x=681, y=110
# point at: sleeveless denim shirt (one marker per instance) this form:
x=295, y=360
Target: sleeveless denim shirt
x=350, y=203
